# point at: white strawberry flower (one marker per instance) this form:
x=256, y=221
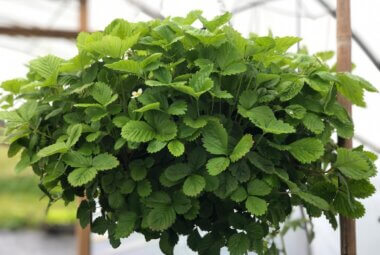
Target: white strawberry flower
x=137, y=93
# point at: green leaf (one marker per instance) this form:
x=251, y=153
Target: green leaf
x=103, y=94
x=348, y=207
x=138, y=131
x=314, y=123
x=258, y=187
x=256, y=206
x=261, y=163
x=148, y=107
x=74, y=133
x=176, y=148
x=47, y=67
x=125, y=225
x=215, y=138
x=263, y=117
x=116, y=200
x=313, y=200
x=307, y=150
x=239, y=195
x=234, y=68
x=161, y=218
x=81, y=176
x=193, y=185
x=295, y=111
x=138, y=170
x=353, y=164
x=289, y=89
x=112, y=46
x=76, y=159
x=164, y=127
x=104, y=161
x=59, y=147
x=177, y=172
x=238, y=244
x=197, y=123
x=179, y=107
x=144, y=188
x=217, y=165
x=361, y=188
x=181, y=203
x=216, y=22
x=248, y=98
x=284, y=43
x=351, y=89
x=155, y=146
x=129, y=66
x=242, y=147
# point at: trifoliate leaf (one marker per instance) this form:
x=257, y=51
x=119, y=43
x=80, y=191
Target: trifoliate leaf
x=242, y=147
x=306, y=150
x=193, y=185
x=263, y=117
x=81, y=176
x=138, y=131
x=59, y=147
x=256, y=206
x=313, y=123
x=161, y=218
x=238, y=244
x=258, y=187
x=217, y=165
x=104, y=161
x=353, y=164
x=215, y=138
x=176, y=148
x=125, y=225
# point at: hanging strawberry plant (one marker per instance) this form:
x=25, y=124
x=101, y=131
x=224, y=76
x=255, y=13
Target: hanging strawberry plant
x=175, y=130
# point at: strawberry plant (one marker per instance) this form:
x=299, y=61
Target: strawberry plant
x=174, y=130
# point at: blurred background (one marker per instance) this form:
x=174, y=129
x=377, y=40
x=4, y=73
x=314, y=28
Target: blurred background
x=32, y=28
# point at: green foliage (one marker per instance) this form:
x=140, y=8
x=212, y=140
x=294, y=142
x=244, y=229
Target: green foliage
x=172, y=129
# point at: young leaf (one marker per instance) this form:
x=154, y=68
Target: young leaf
x=176, y=148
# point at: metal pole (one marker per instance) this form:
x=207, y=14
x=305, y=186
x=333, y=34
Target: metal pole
x=343, y=40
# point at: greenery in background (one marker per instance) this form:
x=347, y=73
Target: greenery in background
x=176, y=130
x=20, y=199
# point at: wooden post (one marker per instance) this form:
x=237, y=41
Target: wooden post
x=343, y=18
x=83, y=235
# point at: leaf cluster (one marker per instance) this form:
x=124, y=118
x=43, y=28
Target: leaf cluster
x=175, y=130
